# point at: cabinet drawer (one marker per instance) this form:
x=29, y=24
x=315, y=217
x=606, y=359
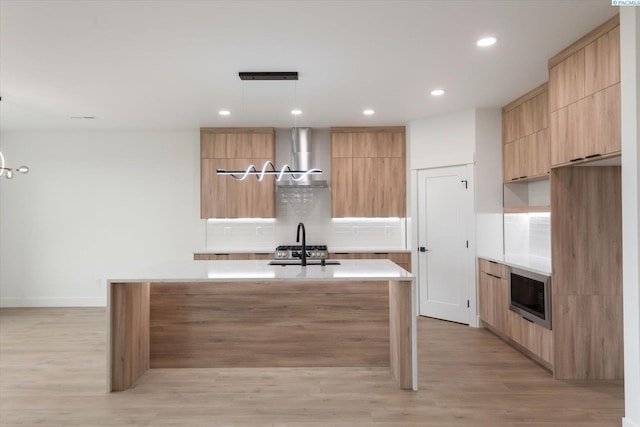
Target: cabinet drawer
x=493, y=298
x=493, y=268
x=532, y=337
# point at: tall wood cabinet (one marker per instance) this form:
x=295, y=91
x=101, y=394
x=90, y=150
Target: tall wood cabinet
x=368, y=174
x=584, y=97
x=586, y=251
x=236, y=149
x=525, y=136
x=586, y=207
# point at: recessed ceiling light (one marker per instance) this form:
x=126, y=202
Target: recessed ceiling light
x=368, y=112
x=296, y=112
x=224, y=112
x=437, y=92
x=486, y=41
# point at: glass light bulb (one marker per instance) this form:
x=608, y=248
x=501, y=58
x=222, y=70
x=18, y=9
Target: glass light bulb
x=23, y=169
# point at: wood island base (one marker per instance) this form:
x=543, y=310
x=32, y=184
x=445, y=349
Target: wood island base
x=261, y=324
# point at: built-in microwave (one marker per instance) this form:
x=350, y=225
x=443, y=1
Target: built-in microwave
x=530, y=296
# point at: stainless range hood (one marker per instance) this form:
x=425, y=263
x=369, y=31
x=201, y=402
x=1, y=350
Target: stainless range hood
x=302, y=160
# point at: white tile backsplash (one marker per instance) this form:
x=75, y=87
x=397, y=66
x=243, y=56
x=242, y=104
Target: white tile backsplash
x=313, y=208
x=527, y=234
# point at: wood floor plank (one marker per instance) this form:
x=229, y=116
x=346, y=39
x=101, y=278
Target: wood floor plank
x=53, y=371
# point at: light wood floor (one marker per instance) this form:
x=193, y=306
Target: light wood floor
x=52, y=372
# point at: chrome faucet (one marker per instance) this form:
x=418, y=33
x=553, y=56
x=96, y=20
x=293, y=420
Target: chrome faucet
x=303, y=255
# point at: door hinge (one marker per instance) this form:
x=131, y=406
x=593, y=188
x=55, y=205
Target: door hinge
x=467, y=303
x=467, y=243
x=465, y=183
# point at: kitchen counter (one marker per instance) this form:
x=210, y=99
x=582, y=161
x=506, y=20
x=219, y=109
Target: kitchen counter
x=212, y=314
x=532, y=263
x=270, y=251
x=224, y=271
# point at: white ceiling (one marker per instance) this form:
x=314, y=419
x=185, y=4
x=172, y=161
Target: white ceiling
x=172, y=65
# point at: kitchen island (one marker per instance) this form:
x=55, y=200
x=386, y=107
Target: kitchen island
x=219, y=314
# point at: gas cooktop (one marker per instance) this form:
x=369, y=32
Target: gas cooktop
x=295, y=251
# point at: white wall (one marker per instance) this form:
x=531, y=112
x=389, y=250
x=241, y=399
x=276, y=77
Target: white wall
x=488, y=157
x=94, y=206
x=448, y=139
x=630, y=89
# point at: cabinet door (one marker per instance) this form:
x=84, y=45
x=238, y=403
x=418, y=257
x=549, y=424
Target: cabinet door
x=605, y=121
x=532, y=155
x=391, y=188
x=494, y=301
x=238, y=192
x=508, y=127
x=602, y=62
x=341, y=145
x=510, y=161
x=263, y=146
x=365, y=144
x=341, y=187
x=213, y=145
x=213, y=189
x=239, y=146
x=364, y=187
x=524, y=150
x=533, y=337
x=485, y=299
x=539, y=107
x=263, y=194
x=567, y=133
x=391, y=144
x=539, y=162
x=566, y=81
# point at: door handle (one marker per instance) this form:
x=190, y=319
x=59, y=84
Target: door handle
x=423, y=249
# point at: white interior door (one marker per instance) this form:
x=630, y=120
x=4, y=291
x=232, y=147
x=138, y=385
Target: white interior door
x=444, y=208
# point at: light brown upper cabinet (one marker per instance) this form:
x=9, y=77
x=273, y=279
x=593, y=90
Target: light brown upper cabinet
x=368, y=172
x=584, y=97
x=236, y=149
x=525, y=136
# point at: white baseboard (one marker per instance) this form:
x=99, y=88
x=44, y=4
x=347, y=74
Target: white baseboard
x=628, y=423
x=52, y=302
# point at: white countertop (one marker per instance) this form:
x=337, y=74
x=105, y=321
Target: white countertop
x=532, y=263
x=270, y=251
x=260, y=270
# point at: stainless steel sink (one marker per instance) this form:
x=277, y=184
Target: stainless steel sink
x=284, y=263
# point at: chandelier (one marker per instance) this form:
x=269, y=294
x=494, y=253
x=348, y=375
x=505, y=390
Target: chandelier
x=7, y=171
x=296, y=175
